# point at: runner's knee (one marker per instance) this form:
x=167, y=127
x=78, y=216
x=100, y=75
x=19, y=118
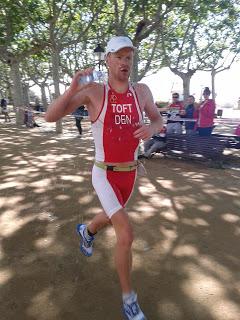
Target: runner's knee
x=125, y=238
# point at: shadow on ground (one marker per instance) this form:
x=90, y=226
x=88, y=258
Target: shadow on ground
x=187, y=232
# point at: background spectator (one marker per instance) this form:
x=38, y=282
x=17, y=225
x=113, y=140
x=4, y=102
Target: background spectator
x=4, y=109
x=175, y=110
x=237, y=130
x=78, y=114
x=190, y=113
x=206, y=111
x=29, y=119
x=157, y=142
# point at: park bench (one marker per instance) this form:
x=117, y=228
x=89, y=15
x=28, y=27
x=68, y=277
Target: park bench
x=231, y=141
x=195, y=147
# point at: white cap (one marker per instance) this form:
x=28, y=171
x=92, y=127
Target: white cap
x=117, y=43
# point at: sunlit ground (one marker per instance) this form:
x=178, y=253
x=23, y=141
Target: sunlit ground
x=186, y=219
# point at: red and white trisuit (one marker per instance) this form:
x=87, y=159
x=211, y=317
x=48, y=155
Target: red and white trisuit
x=113, y=129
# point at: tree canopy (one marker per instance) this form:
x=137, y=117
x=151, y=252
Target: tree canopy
x=45, y=41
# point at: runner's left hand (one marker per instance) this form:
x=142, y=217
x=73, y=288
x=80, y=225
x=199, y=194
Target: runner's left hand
x=144, y=132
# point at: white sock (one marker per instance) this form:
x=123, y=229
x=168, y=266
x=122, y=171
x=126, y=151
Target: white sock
x=125, y=296
x=86, y=235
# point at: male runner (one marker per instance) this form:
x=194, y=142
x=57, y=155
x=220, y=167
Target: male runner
x=115, y=110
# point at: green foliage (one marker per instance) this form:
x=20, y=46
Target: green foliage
x=161, y=104
x=199, y=33
x=182, y=34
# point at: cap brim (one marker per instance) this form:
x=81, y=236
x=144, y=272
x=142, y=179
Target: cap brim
x=131, y=47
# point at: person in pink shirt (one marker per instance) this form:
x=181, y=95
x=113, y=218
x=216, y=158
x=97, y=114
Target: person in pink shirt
x=206, y=112
x=237, y=130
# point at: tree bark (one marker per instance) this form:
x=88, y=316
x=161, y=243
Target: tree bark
x=50, y=95
x=26, y=94
x=213, y=74
x=186, y=86
x=44, y=96
x=134, y=75
x=186, y=78
x=56, y=81
x=17, y=92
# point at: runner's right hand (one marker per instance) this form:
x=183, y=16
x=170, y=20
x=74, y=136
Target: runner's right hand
x=75, y=84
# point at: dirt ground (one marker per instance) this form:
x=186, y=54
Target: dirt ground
x=186, y=219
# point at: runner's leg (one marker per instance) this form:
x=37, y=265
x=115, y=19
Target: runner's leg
x=123, y=254
x=100, y=221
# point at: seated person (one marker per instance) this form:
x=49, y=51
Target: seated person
x=157, y=142
x=29, y=120
x=174, y=113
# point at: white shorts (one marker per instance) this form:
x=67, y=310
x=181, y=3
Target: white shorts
x=174, y=128
x=113, y=188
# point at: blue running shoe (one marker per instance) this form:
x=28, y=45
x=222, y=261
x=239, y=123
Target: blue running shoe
x=86, y=242
x=132, y=310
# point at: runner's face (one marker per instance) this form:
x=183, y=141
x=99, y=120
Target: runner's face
x=120, y=64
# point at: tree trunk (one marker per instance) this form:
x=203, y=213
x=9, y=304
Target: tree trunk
x=17, y=92
x=49, y=94
x=43, y=96
x=186, y=78
x=213, y=74
x=56, y=81
x=134, y=75
x=26, y=94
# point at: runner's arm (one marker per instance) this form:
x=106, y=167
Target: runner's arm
x=73, y=97
x=156, y=120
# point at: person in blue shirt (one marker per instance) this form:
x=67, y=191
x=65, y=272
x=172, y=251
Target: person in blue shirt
x=190, y=113
x=78, y=114
x=5, y=109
